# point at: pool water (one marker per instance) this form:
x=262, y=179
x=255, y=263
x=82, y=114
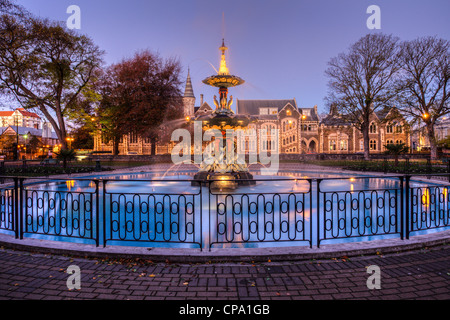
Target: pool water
x=141, y=209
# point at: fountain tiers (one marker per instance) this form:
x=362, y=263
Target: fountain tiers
x=228, y=175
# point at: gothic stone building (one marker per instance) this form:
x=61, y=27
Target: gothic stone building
x=301, y=130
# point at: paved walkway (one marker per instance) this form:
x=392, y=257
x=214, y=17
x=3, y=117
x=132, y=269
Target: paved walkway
x=423, y=274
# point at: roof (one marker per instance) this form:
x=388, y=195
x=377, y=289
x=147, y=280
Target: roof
x=21, y=110
x=335, y=120
x=251, y=107
x=23, y=130
x=189, y=91
x=28, y=130
x=28, y=113
x=205, y=107
x=313, y=116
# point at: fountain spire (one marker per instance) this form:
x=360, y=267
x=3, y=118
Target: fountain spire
x=223, y=80
x=223, y=70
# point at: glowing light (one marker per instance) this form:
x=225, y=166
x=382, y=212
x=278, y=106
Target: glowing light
x=223, y=70
x=426, y=197
x=70, y=184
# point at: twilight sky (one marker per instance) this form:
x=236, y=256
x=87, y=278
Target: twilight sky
x=280, y=47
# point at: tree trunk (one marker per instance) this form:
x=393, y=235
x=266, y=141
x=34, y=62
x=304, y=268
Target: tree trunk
x=116, y=146
x=365, y=132
x=432, y=139
x=153, y=146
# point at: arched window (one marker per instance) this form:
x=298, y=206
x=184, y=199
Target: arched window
x=343, y=142
x=332, y=142
x=389, y=141
x=373, y=144
x=373, y=128
x=389, y=128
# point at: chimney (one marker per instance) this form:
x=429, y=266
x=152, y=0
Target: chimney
x=201, y=100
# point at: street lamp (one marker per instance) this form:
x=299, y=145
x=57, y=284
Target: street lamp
x=301, y=129
x=69, y=140
x=25, y=136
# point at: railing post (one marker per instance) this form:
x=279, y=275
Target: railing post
x=310, y=211
x=402, y=207
x=16, y=208
x=408, y=207
x=201, y=217
x=97, y=214
x=318, y=213
x=22, y=203
x=104, y=212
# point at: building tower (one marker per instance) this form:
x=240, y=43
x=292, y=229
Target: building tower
x=188, y=98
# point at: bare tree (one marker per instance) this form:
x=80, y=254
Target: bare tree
x=360, y=80
x=424, y=92
x=9, y=7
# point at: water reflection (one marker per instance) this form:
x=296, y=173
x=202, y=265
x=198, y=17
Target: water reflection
x=170, y=211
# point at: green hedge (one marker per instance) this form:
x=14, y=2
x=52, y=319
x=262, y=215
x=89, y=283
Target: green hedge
x=45, y=171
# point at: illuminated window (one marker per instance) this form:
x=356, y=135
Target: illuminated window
x=373, y=144
x=343, y=144
x=332, y=145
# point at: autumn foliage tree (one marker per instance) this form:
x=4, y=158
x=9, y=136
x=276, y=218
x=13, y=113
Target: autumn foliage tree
x=137, y=96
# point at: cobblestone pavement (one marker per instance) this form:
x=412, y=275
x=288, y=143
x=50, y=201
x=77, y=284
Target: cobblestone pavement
x=423, y=274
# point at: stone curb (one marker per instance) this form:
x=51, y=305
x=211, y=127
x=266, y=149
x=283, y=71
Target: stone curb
x=300, y=253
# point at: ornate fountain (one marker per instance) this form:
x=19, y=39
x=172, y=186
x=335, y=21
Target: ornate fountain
x=224, y=168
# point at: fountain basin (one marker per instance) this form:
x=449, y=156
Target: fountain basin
x=230, y=179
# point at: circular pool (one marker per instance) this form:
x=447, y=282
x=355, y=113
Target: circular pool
x=161, y=209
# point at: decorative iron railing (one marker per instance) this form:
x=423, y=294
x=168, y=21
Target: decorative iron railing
x=172, y=212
